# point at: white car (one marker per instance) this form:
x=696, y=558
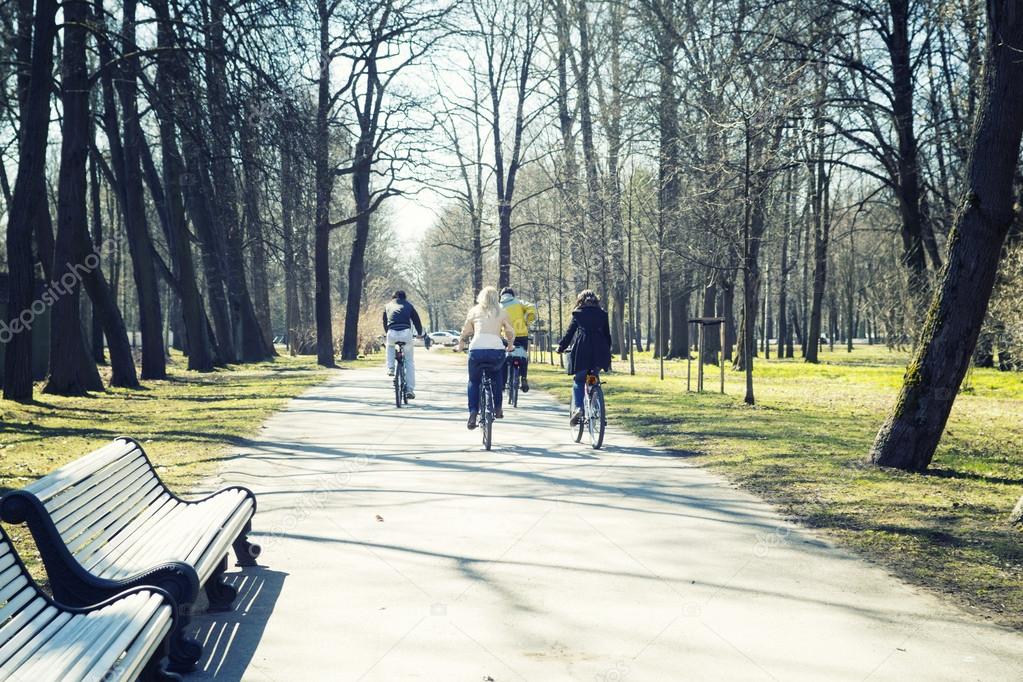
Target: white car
x=443, y=338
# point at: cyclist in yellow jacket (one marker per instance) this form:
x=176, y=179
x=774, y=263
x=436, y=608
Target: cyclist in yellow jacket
x=522, y=315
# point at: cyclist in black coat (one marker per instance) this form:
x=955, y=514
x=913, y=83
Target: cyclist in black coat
x=589, y=340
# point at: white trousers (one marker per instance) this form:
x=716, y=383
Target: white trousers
x=393, y=336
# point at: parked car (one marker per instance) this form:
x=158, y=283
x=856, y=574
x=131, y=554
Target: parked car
x=443, y=338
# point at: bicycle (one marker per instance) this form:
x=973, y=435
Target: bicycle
x=516, y=359
x=488, y=411
x=400, y=379
x=594, y=418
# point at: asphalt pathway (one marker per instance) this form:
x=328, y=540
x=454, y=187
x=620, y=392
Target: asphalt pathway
x=396, y=548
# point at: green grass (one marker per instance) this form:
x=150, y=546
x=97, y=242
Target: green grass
x=804, y=447
x=186, y=423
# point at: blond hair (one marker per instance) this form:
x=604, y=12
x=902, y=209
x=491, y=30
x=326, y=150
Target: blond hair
x=489, y=302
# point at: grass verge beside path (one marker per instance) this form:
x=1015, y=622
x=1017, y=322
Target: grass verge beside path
x=804, y=447
x=186, y=423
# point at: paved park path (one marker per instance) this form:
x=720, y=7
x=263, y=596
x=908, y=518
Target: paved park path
x=395, y=549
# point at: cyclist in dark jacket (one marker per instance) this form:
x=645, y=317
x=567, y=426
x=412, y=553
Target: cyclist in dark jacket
x=399, y=318
x=589, y=339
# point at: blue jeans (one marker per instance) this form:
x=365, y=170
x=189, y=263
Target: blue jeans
x=478, y=358
x=578, y=388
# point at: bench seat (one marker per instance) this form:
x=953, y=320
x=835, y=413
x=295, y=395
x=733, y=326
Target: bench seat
x=107, y=522
x=123, y=638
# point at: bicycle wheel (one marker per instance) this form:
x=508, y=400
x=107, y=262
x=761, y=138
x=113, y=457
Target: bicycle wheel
x=404, y=384
x=399, y=383
x=596, y=419
x=487, y=414
x=513, y=386
x=577, y=429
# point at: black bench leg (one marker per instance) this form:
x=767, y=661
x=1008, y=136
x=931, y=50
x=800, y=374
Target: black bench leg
x=156, y=671
x=158, y=667
x=185, y=652
x=246, y=552
x=220, y=594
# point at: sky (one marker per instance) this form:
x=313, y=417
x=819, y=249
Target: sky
x=412, y=216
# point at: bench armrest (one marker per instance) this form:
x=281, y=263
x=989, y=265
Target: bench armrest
x=72, y=584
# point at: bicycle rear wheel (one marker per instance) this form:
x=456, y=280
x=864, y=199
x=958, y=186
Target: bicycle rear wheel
x=487, y=414
x=576, y=429
x=513, y=386
x=399, y=383
x=596, y=420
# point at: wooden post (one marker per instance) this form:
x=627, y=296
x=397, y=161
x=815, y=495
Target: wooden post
x=721, y=364
x=689, y=368
x=699, y=360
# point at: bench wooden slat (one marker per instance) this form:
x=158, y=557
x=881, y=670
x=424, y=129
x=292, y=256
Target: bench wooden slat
x=97, y=639
x=207, y=561
x=213, y=532
x=74, y=640
x=85, y=548
x=134, y=657
x=20, y=648
x=210, y=522
x=22, y=608
x=111, y=519
x=175, y=535
x=50, y=485
x=88, y=500
x=108, y=547
x=41, y=640
x=111, y=511
x=148, y=613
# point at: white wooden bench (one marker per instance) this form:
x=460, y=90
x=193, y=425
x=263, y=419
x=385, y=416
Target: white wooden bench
x=123, y=638
x=106, y=522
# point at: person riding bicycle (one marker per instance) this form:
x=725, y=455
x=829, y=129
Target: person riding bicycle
x=589, y=340
x=522, y=315
x=399, y=318
x=486, y=322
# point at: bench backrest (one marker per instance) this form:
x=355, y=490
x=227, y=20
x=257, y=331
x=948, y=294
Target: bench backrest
x=22, y=607
x=92, y=499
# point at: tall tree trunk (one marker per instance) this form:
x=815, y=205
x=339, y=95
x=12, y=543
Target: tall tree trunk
x=324, y=186
x=40, y=222
x=28, y=206
x=106, y=313
x=201, y=354
x=139, y=240
x=820, y=202
x=96, y=330
x=190, y=169
x=910, y=435
x=250, y=341
x=72, y=370
x=257, y=247
x=566, y=124
x=668, y=188
x=292, y=312
x=357, y=262
x=914, y=225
